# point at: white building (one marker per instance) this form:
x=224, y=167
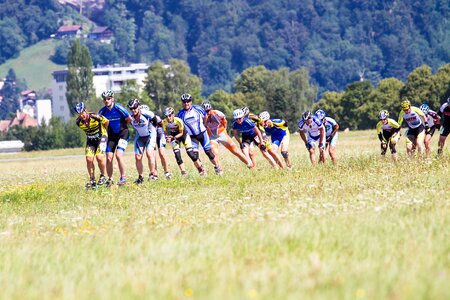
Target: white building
x=104, y=78
x=43, y=110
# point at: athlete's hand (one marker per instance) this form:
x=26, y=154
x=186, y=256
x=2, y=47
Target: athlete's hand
x=308, y=146
x=262, y=147
x=329, y=138
x=321, y=145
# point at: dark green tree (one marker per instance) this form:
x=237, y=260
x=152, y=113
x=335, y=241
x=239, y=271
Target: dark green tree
x=166, y=82
x=79, y=79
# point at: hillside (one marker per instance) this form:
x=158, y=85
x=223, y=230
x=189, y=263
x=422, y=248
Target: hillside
x=34, y=65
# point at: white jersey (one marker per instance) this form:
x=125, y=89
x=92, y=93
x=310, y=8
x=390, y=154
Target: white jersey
x=329, y=125
x=313, y=130
x=145, y=126
x=413, y=118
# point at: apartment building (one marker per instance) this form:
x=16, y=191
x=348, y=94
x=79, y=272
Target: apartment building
x=105, y=78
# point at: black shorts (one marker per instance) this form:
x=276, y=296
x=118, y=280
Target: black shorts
x=119, y=141
x=414, y=132
x=160, y=138
x=445, y=131
x=250, y=138
x=430, y=130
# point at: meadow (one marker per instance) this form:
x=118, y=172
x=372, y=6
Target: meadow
x=365, y=229
x=25, y=65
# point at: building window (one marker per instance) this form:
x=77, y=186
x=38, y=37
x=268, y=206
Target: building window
x=61, y=98
x=61, y=108
x=60, y=87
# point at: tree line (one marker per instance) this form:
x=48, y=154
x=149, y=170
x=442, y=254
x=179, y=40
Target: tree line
x=338, y=41
x=284, y=93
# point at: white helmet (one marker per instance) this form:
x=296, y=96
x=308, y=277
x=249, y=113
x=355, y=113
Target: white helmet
x=238, y=113
x=264, y=115
x=144, y=107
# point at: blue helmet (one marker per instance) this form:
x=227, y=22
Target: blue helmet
x=79, y=108
x=320, y=114
x=425, y=108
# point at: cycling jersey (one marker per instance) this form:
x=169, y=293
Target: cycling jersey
x=257, y=120
x=145, y=131
x=96, y=134
x=95, y=128
x=390, y=126
x=215, y=122
x=313, y=129
x=279, y=131
x=117, y=116
x=193, y=119
x=246, y=127
x=432, y=118
x=329, y=124
x=146, y=125
x=413, y=118
x=444, y=112
x=173, y=128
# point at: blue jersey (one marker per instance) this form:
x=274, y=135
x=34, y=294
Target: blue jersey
x=246, y=127
x=117, y=118
x=193, y=120
x=278, y=129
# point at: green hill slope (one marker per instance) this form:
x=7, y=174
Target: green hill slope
x=34, y=65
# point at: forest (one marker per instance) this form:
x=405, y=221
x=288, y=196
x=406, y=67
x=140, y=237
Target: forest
x=338, y=42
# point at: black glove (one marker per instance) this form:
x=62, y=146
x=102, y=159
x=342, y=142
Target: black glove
x=329, y=138
x=262, y=147
x=308, y=146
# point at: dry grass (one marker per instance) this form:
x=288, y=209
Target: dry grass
x=365, y=229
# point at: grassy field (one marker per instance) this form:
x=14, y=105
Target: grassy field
x=365, y=229
x=34, y=65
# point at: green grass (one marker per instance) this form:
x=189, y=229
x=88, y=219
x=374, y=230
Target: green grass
x=365, y=229
x=34, y=65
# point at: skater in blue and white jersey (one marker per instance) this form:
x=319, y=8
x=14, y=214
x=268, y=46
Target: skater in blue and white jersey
x=312, y=131
x=118, y=135
x=192, y=117
x=144, y=122
x=331, y=133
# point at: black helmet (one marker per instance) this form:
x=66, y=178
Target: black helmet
x=187, y=98
x=133, y=103
x=306, y=115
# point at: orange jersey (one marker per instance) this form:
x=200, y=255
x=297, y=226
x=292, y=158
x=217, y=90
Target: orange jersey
x=216, y=122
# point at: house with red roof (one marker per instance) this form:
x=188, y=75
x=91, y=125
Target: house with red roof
x=69, y=31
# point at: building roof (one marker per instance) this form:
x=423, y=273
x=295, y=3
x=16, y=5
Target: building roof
x=100, y=29
x=69, y=28
x=4, y=125
x=28, y=92
x=24, y=120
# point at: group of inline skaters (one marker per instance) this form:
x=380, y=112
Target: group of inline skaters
x=195, y=125
x=422, y=123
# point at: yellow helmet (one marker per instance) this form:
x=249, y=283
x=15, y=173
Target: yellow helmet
x=406, y=104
